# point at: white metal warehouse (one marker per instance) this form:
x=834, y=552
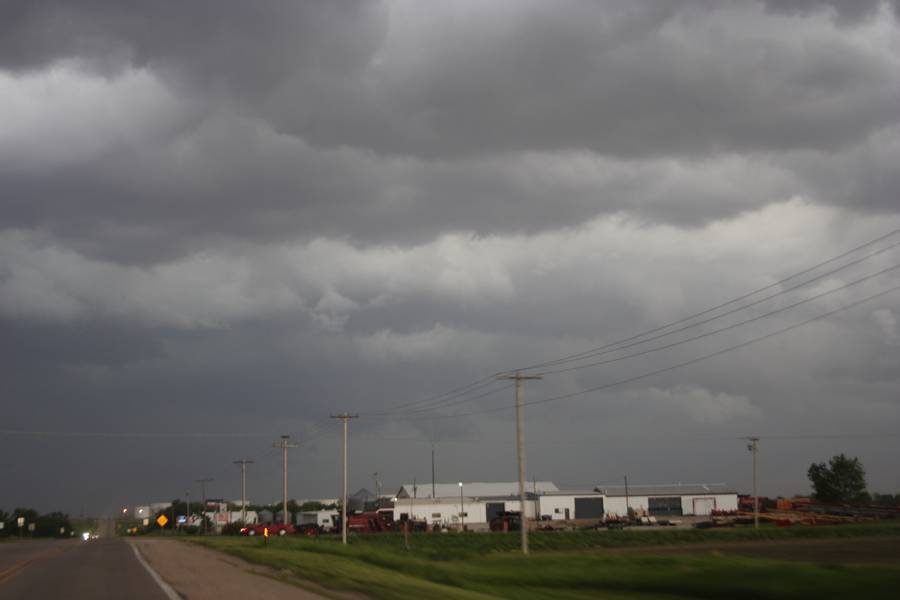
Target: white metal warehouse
x=474, y=502
x=697, y=499
x=477, y=503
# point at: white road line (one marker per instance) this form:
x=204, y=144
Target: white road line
x=170, y=593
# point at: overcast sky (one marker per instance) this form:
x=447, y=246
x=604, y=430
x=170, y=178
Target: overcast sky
x=225, y=221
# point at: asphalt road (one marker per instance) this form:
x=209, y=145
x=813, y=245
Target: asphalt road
x=102, y=569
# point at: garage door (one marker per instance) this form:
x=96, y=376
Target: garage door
x=588, y=508
x=704, y=506
x=664, y=506
x=492, y=509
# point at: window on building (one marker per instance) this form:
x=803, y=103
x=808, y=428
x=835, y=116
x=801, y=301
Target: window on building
x=557, y=511
x=404, y=516
x=465, y=514
x=435, y=515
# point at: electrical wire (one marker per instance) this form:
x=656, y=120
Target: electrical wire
x=727, y=327
x=458, y=395
x=671, y=367
x=618, y=345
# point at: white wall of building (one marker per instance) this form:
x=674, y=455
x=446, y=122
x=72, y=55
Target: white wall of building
x=445, y=511
x=615, y=505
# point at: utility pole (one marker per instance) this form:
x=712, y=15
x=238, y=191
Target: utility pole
x=345, y=418
x=284, y=444
x=187, y=517
x=433, y=493
x=520, y=448
x=627, y=501
x=203, y=483
x=243, y=462
x=753, y=447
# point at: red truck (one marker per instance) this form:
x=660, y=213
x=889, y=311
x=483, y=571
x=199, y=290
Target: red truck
x=368, y=522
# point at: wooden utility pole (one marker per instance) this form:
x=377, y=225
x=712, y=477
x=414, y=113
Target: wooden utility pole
x=284, y=444
x=520, y=448
x=753, y=447
x=243, y=462
x=433, y=492
x=345, y=418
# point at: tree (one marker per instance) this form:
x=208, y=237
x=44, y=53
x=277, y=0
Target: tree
x=841, y=480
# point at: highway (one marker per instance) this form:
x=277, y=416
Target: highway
x=101, y=569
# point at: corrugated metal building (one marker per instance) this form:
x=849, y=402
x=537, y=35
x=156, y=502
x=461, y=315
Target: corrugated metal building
x=478, y=502
x=473, y=502
x=680, y=499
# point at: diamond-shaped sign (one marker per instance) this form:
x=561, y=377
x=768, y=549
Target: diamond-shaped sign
x=162, y=520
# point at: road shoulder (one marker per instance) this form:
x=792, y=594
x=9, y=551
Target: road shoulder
x=201, y=574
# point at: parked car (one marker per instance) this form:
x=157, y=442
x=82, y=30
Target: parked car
x=274, y=529
x=308, y=529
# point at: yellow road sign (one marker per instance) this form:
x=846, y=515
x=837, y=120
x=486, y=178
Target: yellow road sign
x=162, y=520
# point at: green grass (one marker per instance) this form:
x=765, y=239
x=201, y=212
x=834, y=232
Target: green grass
x=566, y=565
x=453, y=546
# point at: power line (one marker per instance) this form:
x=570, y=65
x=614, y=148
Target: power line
x=450, y=397
x=685, y=341
x=721, y=329
x=456, y=392
x=453, y=402
x=732, y=301
x=671, y=367
x=132, y=435
x=618, y=345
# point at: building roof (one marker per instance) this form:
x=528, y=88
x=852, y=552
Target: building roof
x=672, y=489
x=473, y=489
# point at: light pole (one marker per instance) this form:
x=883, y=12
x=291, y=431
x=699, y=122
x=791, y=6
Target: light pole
x=462, y=512
x=187, y=517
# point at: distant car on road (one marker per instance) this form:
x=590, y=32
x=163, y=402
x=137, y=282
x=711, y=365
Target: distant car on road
x=274, y=529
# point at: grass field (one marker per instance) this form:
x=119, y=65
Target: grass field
x=571, y=565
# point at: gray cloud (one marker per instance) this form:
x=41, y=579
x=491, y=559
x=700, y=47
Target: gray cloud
x=240, y=220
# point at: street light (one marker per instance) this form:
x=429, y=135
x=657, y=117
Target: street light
x=462, y=514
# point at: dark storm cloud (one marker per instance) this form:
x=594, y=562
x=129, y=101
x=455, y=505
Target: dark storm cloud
x=615, y=79
x=241, y=218
x=228, y=45
x=847, y=12
x=387, y=123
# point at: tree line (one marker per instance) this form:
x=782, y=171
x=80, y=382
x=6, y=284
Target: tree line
x=34, y=524
x=843, y=480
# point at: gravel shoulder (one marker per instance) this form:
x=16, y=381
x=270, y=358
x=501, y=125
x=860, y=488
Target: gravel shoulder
x=201, y=574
